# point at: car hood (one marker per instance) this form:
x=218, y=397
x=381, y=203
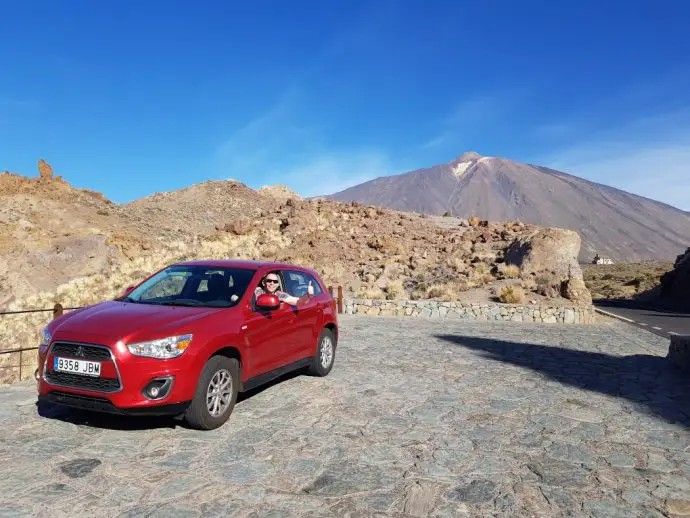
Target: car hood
x=112, y=321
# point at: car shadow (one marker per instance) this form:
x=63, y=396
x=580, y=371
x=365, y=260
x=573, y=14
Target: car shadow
x=651, y=383
x=244, y=396
x=90, y=419
x=132, y=423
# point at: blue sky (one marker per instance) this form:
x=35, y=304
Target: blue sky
x=131, y=98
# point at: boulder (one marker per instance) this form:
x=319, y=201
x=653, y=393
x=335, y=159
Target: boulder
x=675, y=285
x=552, y=251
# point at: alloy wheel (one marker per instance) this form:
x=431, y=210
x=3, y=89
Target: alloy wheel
x=219, y=393
x=326, y=351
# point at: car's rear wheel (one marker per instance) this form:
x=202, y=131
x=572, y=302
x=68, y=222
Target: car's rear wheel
x=216, y=394
x=323, y=360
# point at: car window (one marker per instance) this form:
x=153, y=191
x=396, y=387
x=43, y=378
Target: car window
x=190, y=285
x=169, y=284
x=297, y=282
x=229, y=279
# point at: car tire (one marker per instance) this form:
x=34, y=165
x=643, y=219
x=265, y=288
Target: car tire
x=323, y=360
x=215, y=373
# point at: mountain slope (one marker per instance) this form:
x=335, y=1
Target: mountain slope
x=611, y=222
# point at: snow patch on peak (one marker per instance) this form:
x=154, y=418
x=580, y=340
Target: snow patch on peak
x=461, y=167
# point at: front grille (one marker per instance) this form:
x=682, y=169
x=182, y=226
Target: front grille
x=79, y=351
x=66, y=379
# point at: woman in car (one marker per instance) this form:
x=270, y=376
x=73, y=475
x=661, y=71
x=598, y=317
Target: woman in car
x=270, y=284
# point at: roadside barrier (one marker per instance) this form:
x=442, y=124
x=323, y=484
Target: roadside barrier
x=57, y=311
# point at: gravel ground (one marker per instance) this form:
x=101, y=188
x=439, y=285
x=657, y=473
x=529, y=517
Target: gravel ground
x=418, y=418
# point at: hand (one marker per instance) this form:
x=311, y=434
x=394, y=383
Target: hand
x=310, y=289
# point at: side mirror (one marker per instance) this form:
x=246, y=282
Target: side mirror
x=127, y=290
x=267, y=301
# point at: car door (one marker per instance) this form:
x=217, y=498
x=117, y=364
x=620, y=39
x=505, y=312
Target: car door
x=269, y=333
x=266, y=333
x=305, y=332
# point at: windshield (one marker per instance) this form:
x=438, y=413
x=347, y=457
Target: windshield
x=193, y=286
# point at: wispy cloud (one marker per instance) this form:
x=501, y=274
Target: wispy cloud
x=286, y=143
x=469, y=118
x=277, y=146
x=649, y=156
x=333, y=172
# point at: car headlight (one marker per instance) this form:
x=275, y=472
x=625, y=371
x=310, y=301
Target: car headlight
x=46, y=337
x=163, y=348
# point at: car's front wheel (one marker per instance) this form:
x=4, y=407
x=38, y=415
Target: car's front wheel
x=323, y=360
x=216, y=394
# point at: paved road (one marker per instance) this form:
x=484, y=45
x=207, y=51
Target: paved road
x=422, y=418
x=660, y=321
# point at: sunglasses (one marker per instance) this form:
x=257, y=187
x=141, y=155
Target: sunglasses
x=272, y=281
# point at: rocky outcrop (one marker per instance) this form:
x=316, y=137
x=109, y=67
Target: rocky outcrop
x=45, y=170
x=280, y=192
x=551, y=252
x=675, y=285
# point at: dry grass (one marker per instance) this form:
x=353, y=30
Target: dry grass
x=547, y=285
x=512, y=294
x=371, y=292
x=623, y=280
x=446, y=292
x=395, y=290
x=509, y=271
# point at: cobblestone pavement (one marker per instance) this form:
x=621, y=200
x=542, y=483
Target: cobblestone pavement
x=418, y=418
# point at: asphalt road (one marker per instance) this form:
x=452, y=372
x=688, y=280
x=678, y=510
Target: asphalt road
x=658, y=320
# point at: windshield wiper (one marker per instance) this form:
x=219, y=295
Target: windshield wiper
x=189, y=303
x=129, y=299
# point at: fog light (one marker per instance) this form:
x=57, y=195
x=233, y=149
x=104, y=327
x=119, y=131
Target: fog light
x=158, y=388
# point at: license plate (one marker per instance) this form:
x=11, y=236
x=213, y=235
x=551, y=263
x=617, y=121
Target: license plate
x=84, y=367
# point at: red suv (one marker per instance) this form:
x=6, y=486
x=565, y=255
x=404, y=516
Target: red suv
x=188, y=338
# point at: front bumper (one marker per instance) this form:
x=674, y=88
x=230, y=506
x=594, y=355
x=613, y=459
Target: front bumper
x=100, y=404
x=122, y=384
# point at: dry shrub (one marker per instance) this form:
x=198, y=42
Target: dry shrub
x=446, y=292
x=509, y=271
x=440, y=291
x=370, y=292
x=395, y=290
x=474, y=221
x=457, y=263
x=512, y=295
x=529, y=284
x=487, y=278
x=547, y=285
x=481, y=268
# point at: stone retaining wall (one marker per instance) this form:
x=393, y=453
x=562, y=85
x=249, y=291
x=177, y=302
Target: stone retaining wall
x=466, y=311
